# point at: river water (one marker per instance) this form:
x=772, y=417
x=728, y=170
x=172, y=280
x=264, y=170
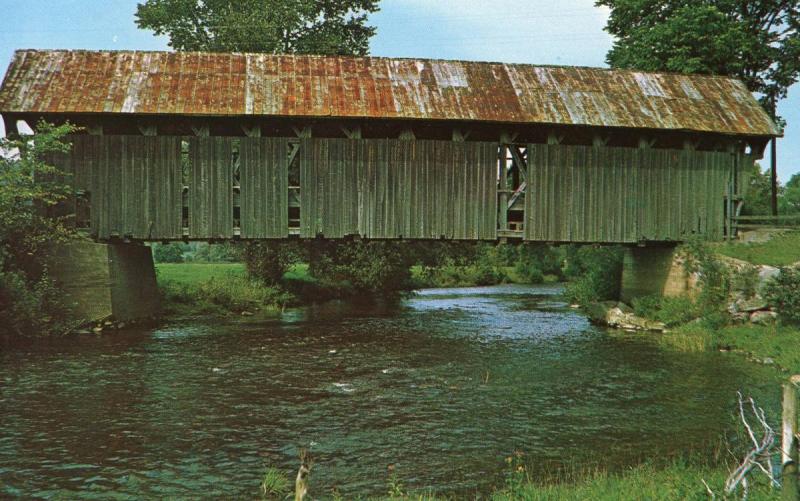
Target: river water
x=443, y=386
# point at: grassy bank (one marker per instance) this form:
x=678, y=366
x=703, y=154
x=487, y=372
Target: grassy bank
x=676, y=482
x=215, y=289
x=781, y=250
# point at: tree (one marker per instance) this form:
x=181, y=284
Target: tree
x=29, y=190
x=328, y=27
x=754, y=40
x=758, y=195
x=790, y=196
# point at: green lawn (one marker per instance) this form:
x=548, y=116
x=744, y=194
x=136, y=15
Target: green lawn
x=781, y=250
x=195, y=273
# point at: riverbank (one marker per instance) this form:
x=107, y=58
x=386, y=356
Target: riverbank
x=677, y=482
x=215, y=289
x=221, y=289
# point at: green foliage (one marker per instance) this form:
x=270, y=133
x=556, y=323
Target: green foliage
x=789, y=200
x=275, y=485
x=714, y=279
x=516, y=473
x=217, y=253
x=227, y=294
x=745, y=281
x=678, y=482
x=757, y=41
x=396, y=489
x=375, y=267
x=30, y=191
x=595, y=273
x=671, y=311
x=168, y=253
x=274, y=26
x=758, y=195
x=535, y=260
x=783, y=294
x=268, y=260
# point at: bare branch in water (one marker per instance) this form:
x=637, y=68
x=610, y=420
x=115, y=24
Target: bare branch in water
x=760, y=455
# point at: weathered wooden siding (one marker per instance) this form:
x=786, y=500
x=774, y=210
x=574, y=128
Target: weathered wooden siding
x=386, y=188
x=619, y=195
x=211, y=187
x=264, y=187
x=133, y=183
x=330, y=187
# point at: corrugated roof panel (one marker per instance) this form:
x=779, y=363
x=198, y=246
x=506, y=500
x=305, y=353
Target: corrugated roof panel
x=317, y=86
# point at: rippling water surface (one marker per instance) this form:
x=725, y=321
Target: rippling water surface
x=443, y=385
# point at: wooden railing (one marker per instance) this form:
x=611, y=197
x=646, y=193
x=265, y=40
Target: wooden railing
x=755, y=222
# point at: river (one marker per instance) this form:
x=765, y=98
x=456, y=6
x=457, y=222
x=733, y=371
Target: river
x=443, y=386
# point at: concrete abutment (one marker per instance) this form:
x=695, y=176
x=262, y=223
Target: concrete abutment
x=654, y=270
x=102, y=281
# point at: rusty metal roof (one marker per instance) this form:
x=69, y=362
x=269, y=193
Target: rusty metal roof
x=213, y=84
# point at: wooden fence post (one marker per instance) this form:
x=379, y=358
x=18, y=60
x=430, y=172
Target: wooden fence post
x=789, y=444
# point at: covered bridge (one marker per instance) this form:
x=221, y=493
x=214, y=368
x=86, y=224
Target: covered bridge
x=219, y=146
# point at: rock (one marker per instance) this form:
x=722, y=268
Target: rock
x=765, y=274
x=121, y=325
x=740, y=317
x=97, y=330
x=620, y=316
x=82, y=331
x=247, y=313
x=763, y=317
x=752, y=304
x=768, y=361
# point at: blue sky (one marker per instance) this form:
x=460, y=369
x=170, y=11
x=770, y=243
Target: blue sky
x=519, y=31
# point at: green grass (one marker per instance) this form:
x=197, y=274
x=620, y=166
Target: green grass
x=781, y=250
x=195, y=273
x=676, y=482
x=214, y=289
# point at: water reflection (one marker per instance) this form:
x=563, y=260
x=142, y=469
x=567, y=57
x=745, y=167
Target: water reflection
x=443, y=385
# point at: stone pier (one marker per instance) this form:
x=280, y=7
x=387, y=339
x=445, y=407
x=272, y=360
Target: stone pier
x=653, y=270
x=102, y=281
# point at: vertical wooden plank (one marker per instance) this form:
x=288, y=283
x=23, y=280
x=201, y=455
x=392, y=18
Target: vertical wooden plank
x=263, y=174
x=211, y=188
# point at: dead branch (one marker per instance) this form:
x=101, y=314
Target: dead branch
x=759, y=456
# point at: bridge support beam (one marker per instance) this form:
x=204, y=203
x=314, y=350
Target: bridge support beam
x=102, y=281
x=653, y=270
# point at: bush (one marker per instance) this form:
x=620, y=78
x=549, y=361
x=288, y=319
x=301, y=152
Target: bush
x=376, y=267
x=168, y=253
x=268, y=260
x=714, y=280
x=31, y=221
x=783, y=294
x=596, y=273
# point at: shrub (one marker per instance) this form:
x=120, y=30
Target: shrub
x=376, y=267
x=783, y=294
x=31, y=221
x=268, y=260
x=596, y=273
x=168, y=253
x=745, y=281
x=714, y=280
